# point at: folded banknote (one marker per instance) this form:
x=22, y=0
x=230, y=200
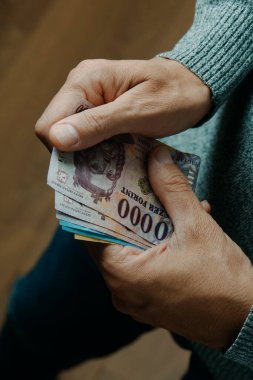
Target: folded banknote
x=105, y=189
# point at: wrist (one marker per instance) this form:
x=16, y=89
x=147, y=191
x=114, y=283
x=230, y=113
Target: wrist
x=192, y=92
x=241, y=304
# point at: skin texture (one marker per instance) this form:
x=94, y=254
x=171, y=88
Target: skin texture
x=197, y=284
x=154, y=98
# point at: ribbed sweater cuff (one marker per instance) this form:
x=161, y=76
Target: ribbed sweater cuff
x=219, y=46
x=241, y=350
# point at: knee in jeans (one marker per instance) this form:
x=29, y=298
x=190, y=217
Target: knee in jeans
x=22, y=308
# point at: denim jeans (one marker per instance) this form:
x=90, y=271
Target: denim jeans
x=61, y=314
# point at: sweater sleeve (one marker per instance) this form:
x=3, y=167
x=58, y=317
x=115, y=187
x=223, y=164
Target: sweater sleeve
x=218, y=47
x=241, y=351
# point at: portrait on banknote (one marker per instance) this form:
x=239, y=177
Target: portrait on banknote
x=97, y=169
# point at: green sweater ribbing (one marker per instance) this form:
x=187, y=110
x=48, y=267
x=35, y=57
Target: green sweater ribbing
x=219, y=49
x=218, y=46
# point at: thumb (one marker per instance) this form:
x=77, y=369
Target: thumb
x=172, y=187
x=88, y=128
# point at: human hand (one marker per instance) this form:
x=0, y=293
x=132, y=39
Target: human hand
x=197, y=284
x=155, y=98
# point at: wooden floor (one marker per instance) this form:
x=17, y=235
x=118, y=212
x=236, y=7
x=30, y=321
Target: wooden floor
x=40, y=41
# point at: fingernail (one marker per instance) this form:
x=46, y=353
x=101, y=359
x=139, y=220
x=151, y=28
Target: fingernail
x=65, y=134
x=162, y=155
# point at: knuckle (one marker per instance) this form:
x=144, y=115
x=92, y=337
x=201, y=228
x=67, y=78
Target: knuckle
x=73, y=74
x=87, y=64
x=197, y=230
x=40, y=127
x=176, y=183
x=94, y=67
x=76, y=72
x=92, y=63
x=96, y=121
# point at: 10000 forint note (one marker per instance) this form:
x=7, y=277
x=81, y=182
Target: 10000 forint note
x=111, y=178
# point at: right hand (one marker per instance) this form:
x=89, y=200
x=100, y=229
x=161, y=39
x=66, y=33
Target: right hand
x=197, y=283
x=154, y=98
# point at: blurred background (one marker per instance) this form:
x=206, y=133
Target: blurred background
x=40, y=42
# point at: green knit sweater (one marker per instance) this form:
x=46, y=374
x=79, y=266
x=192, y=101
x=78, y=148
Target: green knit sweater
x=219, y=49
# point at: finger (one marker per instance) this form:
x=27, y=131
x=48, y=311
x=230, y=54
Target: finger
x=172, y=187
x=111, y=257
x=85, y=129
x=98, y=82
x=66, y=102
x=206, y=206
x=97, y=250
x=116, y=110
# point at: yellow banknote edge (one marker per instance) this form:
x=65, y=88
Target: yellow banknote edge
x=85, y=238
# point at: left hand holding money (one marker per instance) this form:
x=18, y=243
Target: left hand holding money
x=197, y=284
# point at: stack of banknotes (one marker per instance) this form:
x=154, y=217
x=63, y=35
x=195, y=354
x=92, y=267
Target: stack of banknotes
x=103, y=194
